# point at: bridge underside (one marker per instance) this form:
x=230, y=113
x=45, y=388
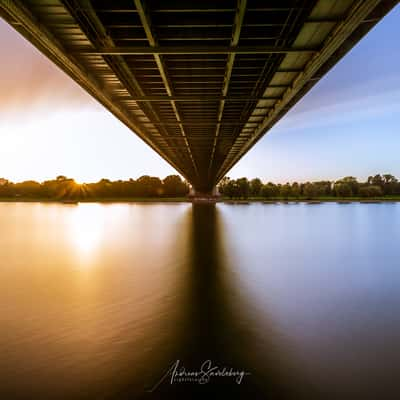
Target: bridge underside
x=199, y=81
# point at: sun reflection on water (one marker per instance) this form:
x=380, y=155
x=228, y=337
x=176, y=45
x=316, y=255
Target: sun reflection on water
x=86, y=227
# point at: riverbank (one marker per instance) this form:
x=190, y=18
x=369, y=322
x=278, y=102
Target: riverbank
x=341, y=200
x=330, y=199
x=96, y=200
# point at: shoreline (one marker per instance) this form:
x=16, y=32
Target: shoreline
x=339, y=200
x=95, y=200
x=313, y=201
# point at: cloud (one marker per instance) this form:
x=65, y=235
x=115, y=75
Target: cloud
x=28, y=79
x=357, y=104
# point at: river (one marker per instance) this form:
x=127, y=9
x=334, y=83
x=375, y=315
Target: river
x=126, y=300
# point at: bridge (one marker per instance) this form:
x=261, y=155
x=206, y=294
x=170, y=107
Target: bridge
x=199, y=81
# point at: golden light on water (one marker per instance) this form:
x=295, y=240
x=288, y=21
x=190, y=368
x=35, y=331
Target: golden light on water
x=77, y=280
x=86, y=227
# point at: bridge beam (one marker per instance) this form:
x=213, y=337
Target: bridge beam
x=237, y=27
x=174, y=50
x=147, y=26
x=199, y=89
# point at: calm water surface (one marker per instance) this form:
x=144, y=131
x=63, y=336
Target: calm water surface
x=99, y=301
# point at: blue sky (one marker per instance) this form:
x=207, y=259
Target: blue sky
x=348, y=124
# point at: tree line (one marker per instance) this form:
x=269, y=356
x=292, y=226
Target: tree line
x=63, y=188
x=374, y=186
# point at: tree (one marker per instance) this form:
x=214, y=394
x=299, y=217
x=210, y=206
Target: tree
x=285, y=191
x=223, y=184
x=28, y=189
x=352, y=182
x=388, y=178
x=376, y=180
x=174, y=186
x=244, y=187
x=343, y=189
x=230, y=189
x=310, y=191
x=295, y=190
x=255, y=187
x=371, y=191
x=149, y=186
x=269, y=190
x=7, y=189
x=389, y=184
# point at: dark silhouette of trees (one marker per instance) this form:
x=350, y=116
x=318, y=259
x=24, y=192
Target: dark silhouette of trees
x=269, y=190
x=376, y=180
x=285, y=191
x=255, y=187
x=295, y=190
x=63, y=188
x=311, y=190
x=352, y=183
x=343, y=189
x=375, y=186
x=150, y=186
x=243, y=187
x=390, y=184
x=239, y=188
x=223, y=186
x=371, y=191
x=27, y=188
x=173, y=186
x=230, y=189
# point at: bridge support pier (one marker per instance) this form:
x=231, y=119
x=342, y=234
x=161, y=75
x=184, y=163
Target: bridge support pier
x=211, y=196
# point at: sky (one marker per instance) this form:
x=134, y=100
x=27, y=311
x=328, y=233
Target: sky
x=348, y=124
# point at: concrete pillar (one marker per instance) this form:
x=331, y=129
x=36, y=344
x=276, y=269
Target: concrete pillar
x=211, y=196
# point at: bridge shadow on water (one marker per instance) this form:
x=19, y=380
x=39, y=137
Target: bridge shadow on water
x=213, y=335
